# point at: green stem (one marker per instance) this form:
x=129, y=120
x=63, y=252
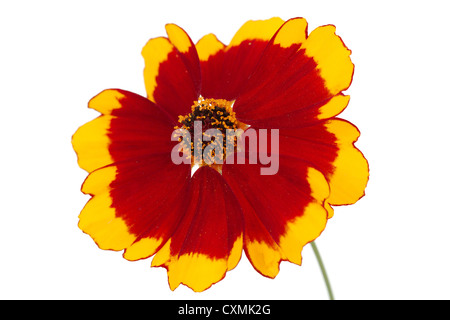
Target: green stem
x=322, y=268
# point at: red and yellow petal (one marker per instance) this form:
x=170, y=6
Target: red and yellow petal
x=280, y=49
x=351, y=170
x=150, y=197
x=329, y=146
x=292, y=32
x=308, y=116
x=308, y=71
x=183, y=43
x=259, y=30
x=134, y=206
x=131, y=126
x=225, y=70
x=155, y=52
x=333, y=107
x=332, y=58
x=137, y=192
x=208, y=240
x=208, y=46
x=171, y=73
x=282, y=212
x=91, y=142
x=98, y=218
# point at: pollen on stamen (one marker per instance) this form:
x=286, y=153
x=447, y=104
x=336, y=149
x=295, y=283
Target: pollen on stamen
x=213, y=114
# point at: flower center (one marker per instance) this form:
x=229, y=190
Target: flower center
x=209, y=145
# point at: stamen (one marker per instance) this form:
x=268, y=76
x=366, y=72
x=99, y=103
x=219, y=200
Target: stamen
x=213, y=114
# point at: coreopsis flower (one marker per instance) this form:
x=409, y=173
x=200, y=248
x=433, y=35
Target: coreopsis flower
x=274, y=83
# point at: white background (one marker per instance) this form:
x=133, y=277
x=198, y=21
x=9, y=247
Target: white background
x=56, y=55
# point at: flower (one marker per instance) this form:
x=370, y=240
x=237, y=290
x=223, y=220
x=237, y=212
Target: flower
x=273, y=76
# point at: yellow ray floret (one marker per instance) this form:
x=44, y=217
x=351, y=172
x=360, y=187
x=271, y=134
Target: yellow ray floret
x=106, y=101
x=99, y=180
x=208, y=46
x=98, y=219
x=306, y=227
x=333, y=107
x=303, y=230
x=142, y=248
x=331, y=56
x=349, y=179
x=264, y=257
x=235, y=254
x=292, y=32
x=318, y=184
x=256, y=30
x=155, y=52
x=178, y=37
x=91, y=144
x=198, y=271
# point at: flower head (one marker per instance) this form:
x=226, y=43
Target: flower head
x=274, y=84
